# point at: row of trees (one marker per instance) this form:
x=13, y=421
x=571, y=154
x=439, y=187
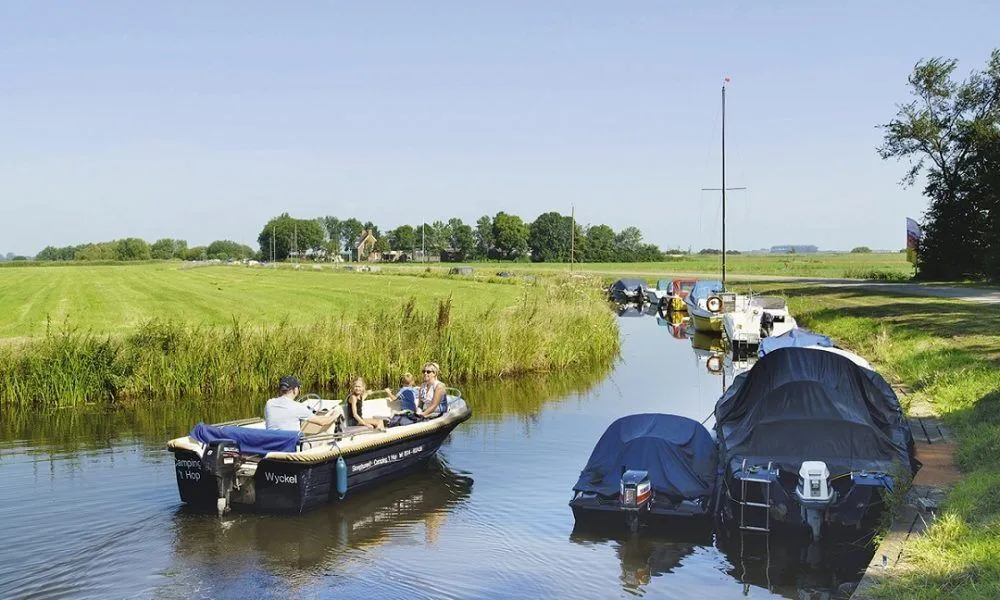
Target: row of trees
x=132, y=249
x=950, y=132
x=549, y=238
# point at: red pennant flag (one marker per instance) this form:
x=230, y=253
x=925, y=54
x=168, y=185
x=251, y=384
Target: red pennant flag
x=726, y=80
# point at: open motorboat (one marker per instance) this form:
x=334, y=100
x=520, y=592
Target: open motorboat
x=645, y=469
x=708, y=302
x=669, y=294
x=762, y=316
x=809, y=439
x=240, y=463
x=628, y=290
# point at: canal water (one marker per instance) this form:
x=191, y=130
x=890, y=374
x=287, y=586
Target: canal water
x=89, y=505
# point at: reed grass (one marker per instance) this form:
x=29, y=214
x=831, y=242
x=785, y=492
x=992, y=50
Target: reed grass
x=554, y=327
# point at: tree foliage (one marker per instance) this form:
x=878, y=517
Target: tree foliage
x=861, y=250
x=510, y=236
x=227, y=249
x=290, y=235
x=949, y=132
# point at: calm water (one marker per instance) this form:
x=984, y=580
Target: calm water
x=89, y=507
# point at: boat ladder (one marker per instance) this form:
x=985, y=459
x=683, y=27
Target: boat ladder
x=761, y=485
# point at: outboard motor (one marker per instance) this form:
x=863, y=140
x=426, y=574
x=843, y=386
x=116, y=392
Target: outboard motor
x=635, y=492
x=814, y=493
x=221, y=459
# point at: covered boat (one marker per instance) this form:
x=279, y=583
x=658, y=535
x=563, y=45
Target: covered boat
x=628, y=290
x=241, y=463
x=799, y=337
x=647, y=468
x=809, y=438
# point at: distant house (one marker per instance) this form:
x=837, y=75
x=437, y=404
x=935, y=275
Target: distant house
x=792, y=248
x=365, y=247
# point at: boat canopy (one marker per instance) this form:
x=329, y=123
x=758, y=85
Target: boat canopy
x=705, y=288
x=678, y=453
x=663, y=284
x=799, y=404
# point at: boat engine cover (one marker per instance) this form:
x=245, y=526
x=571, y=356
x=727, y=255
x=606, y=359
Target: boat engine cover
x=814, y=483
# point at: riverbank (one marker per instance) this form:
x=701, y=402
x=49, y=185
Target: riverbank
x=948, y=353
x=323, y=327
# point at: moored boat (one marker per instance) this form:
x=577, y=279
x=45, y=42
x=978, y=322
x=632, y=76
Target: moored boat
x=669, y=294
x=240, y=463
x=810, y=440
x=647, y=469
x=628, y=290
x=761, y=317
x=708, y=302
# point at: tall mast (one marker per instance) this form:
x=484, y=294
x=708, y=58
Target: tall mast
x=723, y=186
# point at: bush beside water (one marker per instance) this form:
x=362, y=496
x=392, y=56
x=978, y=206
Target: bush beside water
x=552, y=328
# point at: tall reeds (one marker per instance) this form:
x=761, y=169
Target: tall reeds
x=555, y=327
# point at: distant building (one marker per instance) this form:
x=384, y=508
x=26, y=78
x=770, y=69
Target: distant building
x=797, y=249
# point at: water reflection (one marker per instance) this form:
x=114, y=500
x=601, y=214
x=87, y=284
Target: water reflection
x=330, y=541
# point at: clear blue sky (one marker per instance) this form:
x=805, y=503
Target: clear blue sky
x=202, y=120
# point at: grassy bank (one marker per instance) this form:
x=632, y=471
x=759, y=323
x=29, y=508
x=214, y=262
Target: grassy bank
x=948, y=353
x=325, y=327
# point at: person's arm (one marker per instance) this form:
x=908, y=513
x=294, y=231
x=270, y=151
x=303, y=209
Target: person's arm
x=435, y=400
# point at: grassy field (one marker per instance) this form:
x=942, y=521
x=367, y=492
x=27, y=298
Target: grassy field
x=112, y=333
x=948, y=353
x=826, y=264
x=110, y=299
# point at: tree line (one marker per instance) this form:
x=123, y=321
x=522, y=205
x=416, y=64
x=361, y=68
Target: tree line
x=551, y=237
x=950, y=132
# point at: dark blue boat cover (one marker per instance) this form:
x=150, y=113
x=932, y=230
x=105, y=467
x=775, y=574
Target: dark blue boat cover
x=797, y=337
x=678, y=452
x=628, y=284
x=251, y=441
x=799, y=404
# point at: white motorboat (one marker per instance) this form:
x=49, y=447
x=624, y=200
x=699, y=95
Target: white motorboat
x=761, y=317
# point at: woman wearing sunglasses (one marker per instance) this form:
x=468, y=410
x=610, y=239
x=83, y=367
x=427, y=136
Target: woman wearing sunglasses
x=431, y=397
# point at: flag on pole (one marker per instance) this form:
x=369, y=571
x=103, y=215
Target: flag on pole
x=913, y=237
x=726, y=80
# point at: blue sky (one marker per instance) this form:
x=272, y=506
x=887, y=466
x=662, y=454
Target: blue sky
x=202, y=120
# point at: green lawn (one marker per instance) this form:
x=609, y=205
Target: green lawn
x=115, y=298
x=825, y=264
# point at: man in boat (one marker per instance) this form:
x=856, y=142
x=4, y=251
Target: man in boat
x=286, y=414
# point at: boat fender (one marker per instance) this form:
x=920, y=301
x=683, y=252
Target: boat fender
x=341, y=477
x=713, y=304
x=714, y=364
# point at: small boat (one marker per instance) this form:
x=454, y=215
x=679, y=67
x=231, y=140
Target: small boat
x=676, y=322
x=708, y=301
x=628, y=290
x=240, y=463
x=762, y=316
x=669, y=294
x=809, y=440
x=647, y=469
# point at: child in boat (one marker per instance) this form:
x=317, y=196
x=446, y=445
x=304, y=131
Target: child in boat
x=407, y=394
x=355, y=402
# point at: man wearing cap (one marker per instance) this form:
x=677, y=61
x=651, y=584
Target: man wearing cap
x=285, y=413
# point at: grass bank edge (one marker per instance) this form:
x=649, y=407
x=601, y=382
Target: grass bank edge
x=538, y=333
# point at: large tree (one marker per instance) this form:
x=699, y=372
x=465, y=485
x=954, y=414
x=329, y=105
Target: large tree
x=130, y=249
x=462, y=240
x=947, y=132
x=350, y=233
x=227, y=249
x=288, y=235
x=600, y=244
x=484, y=237
x=549, y=238
x=510, y=236
x=403, y=238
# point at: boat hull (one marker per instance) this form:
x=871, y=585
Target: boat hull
x=706, y=322
x=590, y=510
x=289, y=486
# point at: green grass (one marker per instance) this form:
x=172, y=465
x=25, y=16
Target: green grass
x=948, y=353
x=821, y=264
x=88, y=334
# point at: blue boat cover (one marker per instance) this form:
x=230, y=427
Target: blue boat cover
x=798, y=404
x=796, y=337
x=705, y=288
x=678, y=452
x=251, y=441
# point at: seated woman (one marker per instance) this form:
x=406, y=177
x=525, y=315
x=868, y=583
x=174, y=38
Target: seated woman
x=432, y=398
x=355, y=402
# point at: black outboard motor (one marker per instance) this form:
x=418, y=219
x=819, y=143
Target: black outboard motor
x=221, y=459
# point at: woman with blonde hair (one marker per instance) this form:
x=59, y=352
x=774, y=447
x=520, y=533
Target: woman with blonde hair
x=432, y=400
x=355, y=402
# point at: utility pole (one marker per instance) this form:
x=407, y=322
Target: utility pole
x=272, y=244
x=423, y=247
x=572, y=235
x=723, y=189
x=295, y=243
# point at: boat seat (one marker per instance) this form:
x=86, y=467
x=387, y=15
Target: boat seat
x=381, y=408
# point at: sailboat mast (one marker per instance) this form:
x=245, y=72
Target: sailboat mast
x=723, y=186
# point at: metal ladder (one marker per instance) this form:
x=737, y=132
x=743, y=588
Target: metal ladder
x=765, y=505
